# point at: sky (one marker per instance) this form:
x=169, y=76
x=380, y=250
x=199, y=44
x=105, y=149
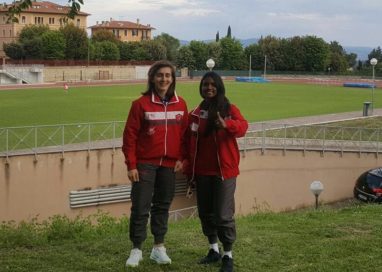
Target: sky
x=350, y=22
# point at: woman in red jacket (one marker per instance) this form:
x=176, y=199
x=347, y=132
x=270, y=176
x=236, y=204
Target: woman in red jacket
x=151, y=144
x=213, y=164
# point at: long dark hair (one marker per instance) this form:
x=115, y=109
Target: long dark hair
x=151, y=75
x=218, y=103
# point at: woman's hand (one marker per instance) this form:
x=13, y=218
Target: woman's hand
x=220, y=123
x=178, y=166
x=133, y=175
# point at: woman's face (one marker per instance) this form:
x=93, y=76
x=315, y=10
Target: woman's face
x=162, y=80
x=209, y=88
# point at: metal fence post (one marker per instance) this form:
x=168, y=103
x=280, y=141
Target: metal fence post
x=63, y=141
x=263, y=138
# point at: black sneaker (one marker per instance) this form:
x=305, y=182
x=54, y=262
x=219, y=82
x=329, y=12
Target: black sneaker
x=227, y=264
x=212, y=257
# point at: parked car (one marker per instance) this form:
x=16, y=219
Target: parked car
x=368, y=187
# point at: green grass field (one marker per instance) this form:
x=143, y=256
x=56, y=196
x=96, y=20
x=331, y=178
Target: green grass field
x=328, y=240
x=258, y=102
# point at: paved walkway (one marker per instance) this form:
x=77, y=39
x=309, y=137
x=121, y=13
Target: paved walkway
x=317, y=119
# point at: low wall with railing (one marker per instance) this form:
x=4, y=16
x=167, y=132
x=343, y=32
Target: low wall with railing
x=82, y=182
x=79, y=168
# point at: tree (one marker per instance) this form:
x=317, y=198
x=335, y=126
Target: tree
x=351, y=59
x=257, y=57
x=229, y=32
x=105, y=50
x=127, y=50
x=296, y=54
x=77, y=42
x=185, y=58
x=155, y=49
x=375, y=53
x=199, y=53
x=232, y=54
x=316, y=53
x=33, y=48
x=214, y=52
x=54, y=45
x=171, y=44
x=337, y=58
x=270, y=46
x=30, y=39
x=103, y=35
x=31, y=32
x=15, y=9
x=14, y=50
x=217, y=37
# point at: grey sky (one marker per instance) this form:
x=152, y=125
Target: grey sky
x=350, y=22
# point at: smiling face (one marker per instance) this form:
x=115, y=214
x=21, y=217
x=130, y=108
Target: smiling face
x=162, y=80
x=209, y=88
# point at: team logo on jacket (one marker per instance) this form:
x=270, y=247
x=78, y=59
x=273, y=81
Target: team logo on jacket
x=151, y=131
x=178, y=118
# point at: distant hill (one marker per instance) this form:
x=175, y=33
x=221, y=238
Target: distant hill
x=244, y=42
x=361, y=51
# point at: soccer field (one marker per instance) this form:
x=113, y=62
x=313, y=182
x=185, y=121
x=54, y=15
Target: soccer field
x=258, y=102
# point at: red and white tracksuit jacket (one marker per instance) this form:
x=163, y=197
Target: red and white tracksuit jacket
x=227, y=149
x=154, y=131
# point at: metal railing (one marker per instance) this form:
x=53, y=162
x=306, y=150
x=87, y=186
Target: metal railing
x=60, y=138
x=312, y=137
x=91, y=136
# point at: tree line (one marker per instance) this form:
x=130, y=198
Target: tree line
x=295, y=54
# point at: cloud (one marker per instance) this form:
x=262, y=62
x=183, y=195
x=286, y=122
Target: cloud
x=198, y=12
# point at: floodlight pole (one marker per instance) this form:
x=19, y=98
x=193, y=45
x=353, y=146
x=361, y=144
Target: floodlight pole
x=250, y=65
x=265, y=66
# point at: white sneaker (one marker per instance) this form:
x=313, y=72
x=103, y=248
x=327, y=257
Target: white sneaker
x=159, y=255
x=134, y=258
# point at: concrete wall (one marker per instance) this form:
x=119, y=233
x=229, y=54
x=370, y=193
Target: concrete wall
x=78, y=73
x=272, y=181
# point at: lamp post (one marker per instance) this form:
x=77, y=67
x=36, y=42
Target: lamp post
x=316, y=187
x=373, y=62
x=210, y=64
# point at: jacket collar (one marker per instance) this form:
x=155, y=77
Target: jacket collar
x=156, y=99
x=198, y=112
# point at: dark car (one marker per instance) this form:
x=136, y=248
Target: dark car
x=369, y=186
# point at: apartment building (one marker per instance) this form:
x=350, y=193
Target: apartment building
x=125, y=31
x=40, y=13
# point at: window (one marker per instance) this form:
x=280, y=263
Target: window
x=78, y=22
x=51, y=21
x=23, y=19
x=38, y=20
x=135, y=32
x=126, y=32
x=3, y=32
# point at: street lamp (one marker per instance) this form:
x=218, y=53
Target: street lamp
x=373, y=62
x=316, y=187
x=210, y=64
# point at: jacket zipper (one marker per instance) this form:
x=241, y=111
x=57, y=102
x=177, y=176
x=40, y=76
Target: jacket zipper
x=165, y=135
x=217, y=154
x=196, y=150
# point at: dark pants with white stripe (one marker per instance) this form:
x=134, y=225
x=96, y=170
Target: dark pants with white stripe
x=216, y=207
x=152, y=195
